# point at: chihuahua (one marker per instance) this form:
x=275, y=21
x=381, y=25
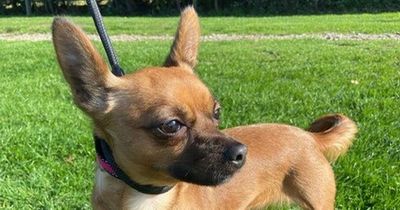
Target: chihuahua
x=159, y=146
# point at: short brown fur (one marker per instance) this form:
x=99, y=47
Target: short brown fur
x=283, y=163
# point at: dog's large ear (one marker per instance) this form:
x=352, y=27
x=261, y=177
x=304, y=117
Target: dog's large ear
x=184, y=49
x=83, y=67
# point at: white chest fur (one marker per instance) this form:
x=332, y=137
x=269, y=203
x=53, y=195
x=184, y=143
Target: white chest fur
x=140, y=201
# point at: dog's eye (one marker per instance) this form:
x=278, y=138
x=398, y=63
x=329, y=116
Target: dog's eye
x=170, y=127
x=217, y=111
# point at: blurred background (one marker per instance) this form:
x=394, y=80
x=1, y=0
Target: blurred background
x=204, y=7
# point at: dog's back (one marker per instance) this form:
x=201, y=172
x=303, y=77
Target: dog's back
x=293, y=163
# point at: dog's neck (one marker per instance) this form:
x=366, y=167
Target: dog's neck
x=107, y=163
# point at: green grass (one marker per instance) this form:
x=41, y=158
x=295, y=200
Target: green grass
x=365, y=23
x=46, y=149
x=47, y=158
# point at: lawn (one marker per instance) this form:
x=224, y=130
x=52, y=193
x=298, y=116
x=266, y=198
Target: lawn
x=47, y=155
x=365, y=23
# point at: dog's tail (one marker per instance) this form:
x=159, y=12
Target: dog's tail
x=334, y=134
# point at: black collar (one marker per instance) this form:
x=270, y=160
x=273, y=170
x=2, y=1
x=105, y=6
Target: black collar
x=106, y=162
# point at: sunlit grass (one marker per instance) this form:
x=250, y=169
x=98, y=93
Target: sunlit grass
x=46, y=149
x=360, y=23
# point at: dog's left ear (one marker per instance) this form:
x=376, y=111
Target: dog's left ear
x=184, y=49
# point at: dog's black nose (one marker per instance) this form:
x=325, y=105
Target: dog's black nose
x=236, y=154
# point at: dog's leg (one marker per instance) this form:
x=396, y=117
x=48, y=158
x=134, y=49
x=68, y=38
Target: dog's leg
x=312, y=184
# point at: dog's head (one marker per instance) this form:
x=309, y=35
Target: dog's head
x=161, y=122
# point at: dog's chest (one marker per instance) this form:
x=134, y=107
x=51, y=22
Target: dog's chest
x=140, y=201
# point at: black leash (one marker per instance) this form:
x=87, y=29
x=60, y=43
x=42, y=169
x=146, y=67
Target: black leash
x=98, y=21
x=104, y=154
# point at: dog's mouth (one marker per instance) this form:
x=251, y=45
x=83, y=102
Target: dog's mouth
x=210, y=163
x=210, y=176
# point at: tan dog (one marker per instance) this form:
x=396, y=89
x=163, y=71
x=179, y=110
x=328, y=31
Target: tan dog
x=161, y=125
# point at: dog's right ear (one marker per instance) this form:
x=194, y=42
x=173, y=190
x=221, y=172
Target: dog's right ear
x=83, y=67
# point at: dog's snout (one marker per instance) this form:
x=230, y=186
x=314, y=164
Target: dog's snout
x=236, y=154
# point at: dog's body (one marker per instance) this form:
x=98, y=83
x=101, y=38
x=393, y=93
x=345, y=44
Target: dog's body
x=284, y=163
x=161, y=125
